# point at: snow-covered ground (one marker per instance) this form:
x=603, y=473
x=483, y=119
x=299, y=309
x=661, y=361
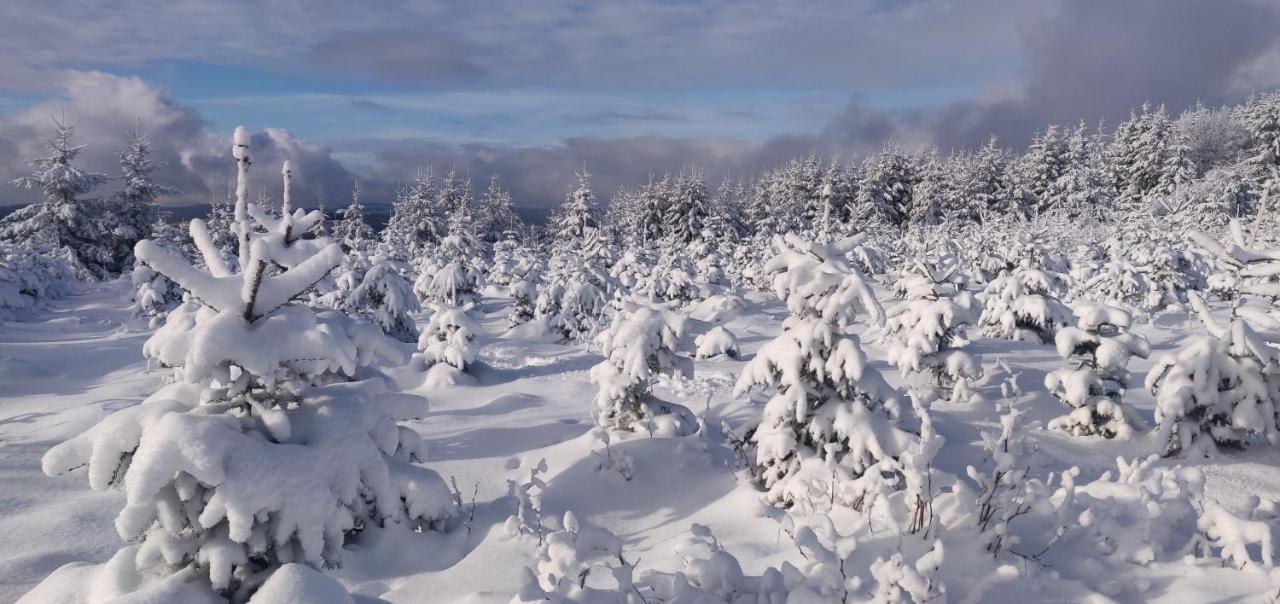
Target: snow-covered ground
x=81, y=360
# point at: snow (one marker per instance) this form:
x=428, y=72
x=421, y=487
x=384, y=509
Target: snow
x=647, y=427
x=530, y=402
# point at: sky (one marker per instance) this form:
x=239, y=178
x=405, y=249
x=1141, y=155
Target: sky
x=535, y=91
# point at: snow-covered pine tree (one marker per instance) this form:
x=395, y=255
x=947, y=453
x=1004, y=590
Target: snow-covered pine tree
x=262, y=452
x=133, y=211
x=884, y=192
x=385, y=298
x=447, y=347
x=926, y=330
x=30, y=276
x=686, y=214
x=931, y=196
x=1082, y=191
x=154, y=295
x=498, y=219
x=577, y=214
x=1040, y=168
x=416, y=224
x=1097, y=351
x=832, y=419
x=455, y=275
x=219, y=222
x=575, y=291
x=1262, y=115
x=351, y=230
x=638, y=345
x=986, y=184
x=1223, y=390
x=1026, y=301
x=577, y=285
x=62, y=218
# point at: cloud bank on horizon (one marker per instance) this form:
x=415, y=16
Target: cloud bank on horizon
x=532, y=90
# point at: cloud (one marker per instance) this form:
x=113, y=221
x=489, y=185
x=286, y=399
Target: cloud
x=368, y=105
x=106, y=108
x=1094, y=60
x=405, y=56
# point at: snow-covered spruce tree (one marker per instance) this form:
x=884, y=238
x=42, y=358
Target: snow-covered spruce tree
x=454, y=277
x=132, y=212
x=447, y=346
x=638, y=345
x=925, y=331
x=351, y=230
x=832, y=417
x=63, y=218
x=1097, y=350
x=577, y=285
x=262, y=452
x=385, y=298
x=671, y=279
x=884, y=193
x=1025, y=302
x=416, y=223
x=498, y=219
x=1223, y=390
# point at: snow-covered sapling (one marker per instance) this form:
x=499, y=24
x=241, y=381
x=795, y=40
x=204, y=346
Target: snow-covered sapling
x=447, y=349
x=926, y=331
x=717, y=341
x=385, y=298
x=1024, y=305
x=1223, y=390
x=832, y=416
x=262, y=452
x=528, y=495
x=579, y=563
x=1098, y=349
x=638, y=346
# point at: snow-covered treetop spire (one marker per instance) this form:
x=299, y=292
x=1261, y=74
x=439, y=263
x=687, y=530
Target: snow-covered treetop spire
x=252, y=293
x=286, y=171
x=240, y=151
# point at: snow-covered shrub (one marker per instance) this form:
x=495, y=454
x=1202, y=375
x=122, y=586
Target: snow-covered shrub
x=1025, y=303
x=925, y=331
x=260, y=453
x=447, y=346
x=717, y=341
x=30, y=276
x=612, y=461
x=385, y=298
x=1098, y=350
x=585, y=563
x=528, y=495
x=637, y=346
x=710, y=574
x=832, y=416
x=154, y=295
x=578, y=563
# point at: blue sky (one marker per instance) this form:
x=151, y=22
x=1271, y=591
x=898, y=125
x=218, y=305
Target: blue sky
x=531, y=89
